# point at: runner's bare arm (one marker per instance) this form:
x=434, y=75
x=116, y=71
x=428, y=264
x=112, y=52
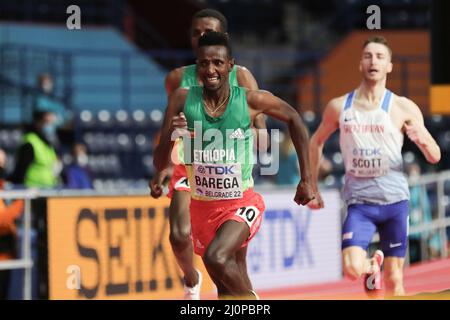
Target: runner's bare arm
x=173, y=80
x=328, y=125
x=173, y=119
x=155, y=184
x=265, y=102
x=171, y=83
x=414, y=128
x=245, y=79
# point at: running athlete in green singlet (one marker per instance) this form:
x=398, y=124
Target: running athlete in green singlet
x=179, y=191
x=225, y=211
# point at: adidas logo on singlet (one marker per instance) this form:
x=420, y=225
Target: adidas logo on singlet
x=237, y=134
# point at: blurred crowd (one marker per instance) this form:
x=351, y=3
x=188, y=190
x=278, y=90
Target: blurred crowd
x=37, y=160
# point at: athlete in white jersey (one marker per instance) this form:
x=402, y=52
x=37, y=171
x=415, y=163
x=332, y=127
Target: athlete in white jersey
x=372, y=121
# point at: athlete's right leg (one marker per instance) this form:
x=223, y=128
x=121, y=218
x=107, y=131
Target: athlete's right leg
x=222, y=292
x=241, y=258
x=180, y=235
x=355, y=262
x=221, y=262
x=357, y=232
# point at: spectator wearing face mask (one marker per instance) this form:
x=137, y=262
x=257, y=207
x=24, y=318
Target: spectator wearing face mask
x=77, y=175
x=46, y=100
x=37, y=164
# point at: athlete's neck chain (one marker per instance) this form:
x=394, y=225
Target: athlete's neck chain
x=220, y=105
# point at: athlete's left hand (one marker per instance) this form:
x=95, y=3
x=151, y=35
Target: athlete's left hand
x=155, y=184
x=304, y=193
x=413, y=130
x=317, y=202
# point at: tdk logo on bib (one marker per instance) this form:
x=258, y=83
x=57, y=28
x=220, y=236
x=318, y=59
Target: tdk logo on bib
x=367, y=152
x=219, y=170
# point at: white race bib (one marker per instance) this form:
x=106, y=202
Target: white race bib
x=368, y=166
x=218, y=181
x=249, y=214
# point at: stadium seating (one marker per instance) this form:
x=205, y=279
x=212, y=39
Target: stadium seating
x=93, y=68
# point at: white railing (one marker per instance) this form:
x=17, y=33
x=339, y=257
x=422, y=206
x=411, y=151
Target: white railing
x=26, y=262
x=441, y=222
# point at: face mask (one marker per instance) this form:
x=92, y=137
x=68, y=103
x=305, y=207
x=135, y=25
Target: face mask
x=49, y=131
x=47, y=87
x=82, y=160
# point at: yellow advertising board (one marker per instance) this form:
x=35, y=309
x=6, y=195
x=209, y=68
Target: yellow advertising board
x=440, y=99
x=113, y=248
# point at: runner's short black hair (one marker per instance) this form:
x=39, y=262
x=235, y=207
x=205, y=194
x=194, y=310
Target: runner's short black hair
x=211, y=13
x=215, y=39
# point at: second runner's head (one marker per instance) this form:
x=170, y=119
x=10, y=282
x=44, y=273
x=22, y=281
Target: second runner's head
x=214, y=60
x=206, y=20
